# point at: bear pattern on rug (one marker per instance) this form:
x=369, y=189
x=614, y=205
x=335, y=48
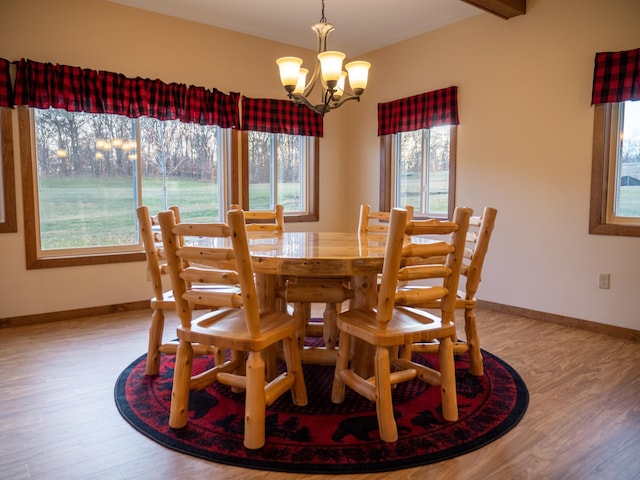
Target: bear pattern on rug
x=323, y=437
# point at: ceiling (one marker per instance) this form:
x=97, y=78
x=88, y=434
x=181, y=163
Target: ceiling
x=361, y=26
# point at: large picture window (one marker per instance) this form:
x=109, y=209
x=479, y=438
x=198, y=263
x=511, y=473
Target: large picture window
x=91, y=171
x=95, y=145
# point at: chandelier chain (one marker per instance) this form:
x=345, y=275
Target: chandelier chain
x=323, y=19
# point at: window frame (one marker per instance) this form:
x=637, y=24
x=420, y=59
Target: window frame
x=602, y=155
x=387, y=173
x=313, y=181
x=9, y=223
x=33, y=259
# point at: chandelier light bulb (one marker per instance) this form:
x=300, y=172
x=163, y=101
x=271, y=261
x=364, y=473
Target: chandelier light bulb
x=289, y=71
x=358, y=75
x=331, y=67
x=302, y=81
x=340, y=87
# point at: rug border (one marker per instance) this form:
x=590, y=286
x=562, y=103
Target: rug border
x=514, y=417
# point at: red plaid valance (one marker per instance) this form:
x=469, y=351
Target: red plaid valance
x=211, y=107
x=5, y=84
x=616, y=77
x=280, y=116
x=44, y=85
x=431, y=109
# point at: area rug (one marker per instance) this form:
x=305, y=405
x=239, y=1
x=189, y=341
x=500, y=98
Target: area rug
x=322, y=437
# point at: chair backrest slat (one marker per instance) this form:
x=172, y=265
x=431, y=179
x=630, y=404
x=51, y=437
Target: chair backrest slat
x=209, y=275
x=377, y=221
x=264, y=220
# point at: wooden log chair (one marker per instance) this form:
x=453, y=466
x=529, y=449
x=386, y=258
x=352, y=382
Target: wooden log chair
x=376, y=222
x=162, y=299
x=477, y=245
x=303, y=291
x=263, y=220
x=239, y=326
x=395, y=323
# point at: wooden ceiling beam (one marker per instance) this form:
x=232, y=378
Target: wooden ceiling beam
x=502, y=8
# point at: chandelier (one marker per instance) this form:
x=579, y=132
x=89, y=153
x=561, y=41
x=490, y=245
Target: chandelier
x=328, y=73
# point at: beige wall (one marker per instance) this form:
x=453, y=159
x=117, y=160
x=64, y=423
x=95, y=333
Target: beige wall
x=524, y=146
x=524, y=141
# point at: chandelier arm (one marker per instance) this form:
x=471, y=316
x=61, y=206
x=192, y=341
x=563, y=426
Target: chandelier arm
x=343, y=100
x=314, y=79
x=300, y=99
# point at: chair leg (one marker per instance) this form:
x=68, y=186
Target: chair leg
x=338, y=387
x=473, y=340
x=448, y=380
x=294, y=367
x=239, y=358
x=300, y=315
x=384, y=406
x=255, y=402
x=179, y=411
x=330, y=329
x=155, y=340
x=219, y=356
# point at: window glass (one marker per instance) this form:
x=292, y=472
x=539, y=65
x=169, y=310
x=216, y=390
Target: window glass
x=278, y=167
x=625, y=171
x=181, y=165
x=422, y=159
x=94, y=170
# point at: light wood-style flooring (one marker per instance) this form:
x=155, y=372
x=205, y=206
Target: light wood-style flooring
x=58, y=419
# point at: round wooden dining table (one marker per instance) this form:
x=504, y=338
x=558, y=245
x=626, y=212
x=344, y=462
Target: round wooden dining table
x=318, y=255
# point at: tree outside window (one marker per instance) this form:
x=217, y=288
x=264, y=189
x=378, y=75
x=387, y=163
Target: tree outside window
x=93, y=170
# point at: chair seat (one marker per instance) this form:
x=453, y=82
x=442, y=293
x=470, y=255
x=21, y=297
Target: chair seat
x=227, y=329
x=408, y=325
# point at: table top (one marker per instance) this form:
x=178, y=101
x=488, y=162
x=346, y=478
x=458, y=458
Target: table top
x=317, y=253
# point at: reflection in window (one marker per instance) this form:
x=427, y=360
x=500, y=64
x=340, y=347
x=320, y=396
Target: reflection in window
x=278, y=167
x=93, y=170
x=624, y=166
x=422, y=170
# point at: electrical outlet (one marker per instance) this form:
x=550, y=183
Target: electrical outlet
x=603, y=280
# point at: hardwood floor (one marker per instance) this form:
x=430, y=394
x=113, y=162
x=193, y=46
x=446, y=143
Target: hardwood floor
x=58, y=419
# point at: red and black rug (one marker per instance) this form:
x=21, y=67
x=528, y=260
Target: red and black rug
x=322, y=437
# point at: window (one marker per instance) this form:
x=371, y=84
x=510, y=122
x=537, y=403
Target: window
x=418, y=152
x=281, y=169
x=280, y=151
x=90, y=154
x=615, y=181
x=89, y=172
x=421, y=170
x=615, y=168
